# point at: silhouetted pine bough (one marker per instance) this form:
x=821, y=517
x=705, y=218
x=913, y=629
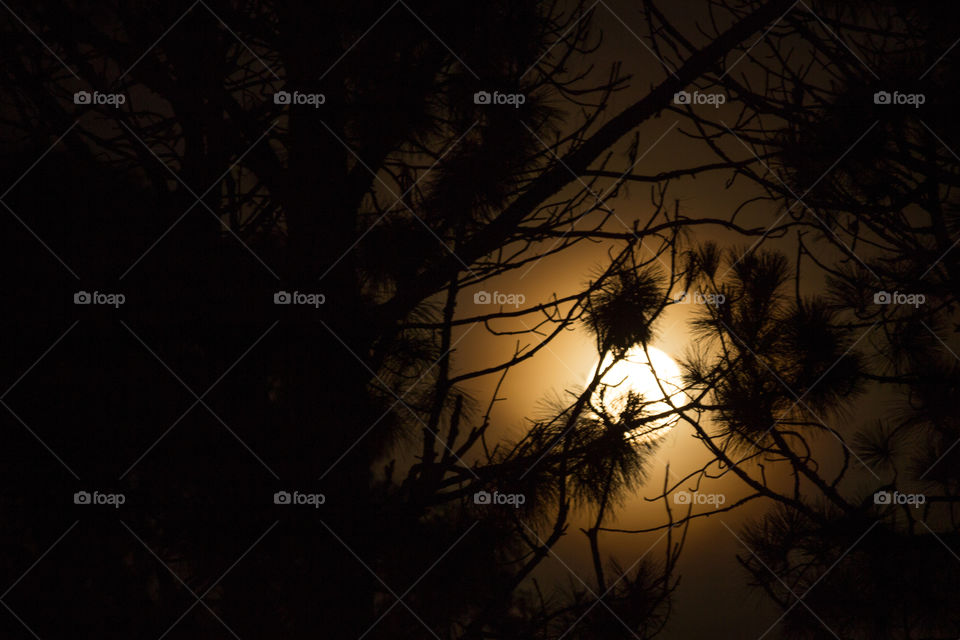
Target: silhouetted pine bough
x=358, y=150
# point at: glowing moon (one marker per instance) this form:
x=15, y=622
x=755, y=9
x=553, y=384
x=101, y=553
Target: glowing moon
x=638, y=374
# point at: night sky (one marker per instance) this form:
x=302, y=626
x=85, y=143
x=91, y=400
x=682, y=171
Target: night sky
x=510, y=320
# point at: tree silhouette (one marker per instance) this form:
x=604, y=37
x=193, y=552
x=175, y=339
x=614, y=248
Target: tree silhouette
x=400, y=194
x=857, y=185
x=202, y=193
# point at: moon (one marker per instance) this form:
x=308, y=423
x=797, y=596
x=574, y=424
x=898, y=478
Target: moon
x=638, y=374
